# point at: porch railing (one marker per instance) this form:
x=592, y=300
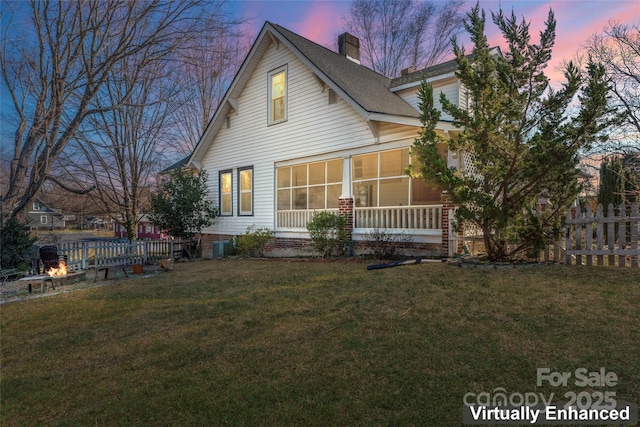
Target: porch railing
x=398, y=217
x=405, y=217
x=297, y=218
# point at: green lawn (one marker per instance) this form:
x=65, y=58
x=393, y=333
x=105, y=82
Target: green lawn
x=274, y=343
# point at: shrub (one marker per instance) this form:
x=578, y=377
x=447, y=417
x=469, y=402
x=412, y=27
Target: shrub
x=326, y=230
x=16, y=242
x=253, y=241
x=386, y=245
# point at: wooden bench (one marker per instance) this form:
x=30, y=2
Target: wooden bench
x=37, y=280
x=108, y=267
x=43, y=284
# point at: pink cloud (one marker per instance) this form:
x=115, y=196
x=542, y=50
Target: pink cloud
x=576, y=22
x=322, y=22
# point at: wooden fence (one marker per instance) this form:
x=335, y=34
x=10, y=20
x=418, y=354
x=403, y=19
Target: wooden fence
x=83, y=255
x=603, y=240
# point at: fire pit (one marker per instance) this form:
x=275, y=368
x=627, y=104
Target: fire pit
x=67, y=278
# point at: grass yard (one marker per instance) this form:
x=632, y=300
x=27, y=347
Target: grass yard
x=274, y=343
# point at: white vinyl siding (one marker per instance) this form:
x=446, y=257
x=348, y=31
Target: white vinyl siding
x=312, y=128
x=450, y=88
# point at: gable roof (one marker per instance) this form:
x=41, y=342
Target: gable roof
x=364, y=86
x=442, y=69
x=370, y=94
x=177, y=165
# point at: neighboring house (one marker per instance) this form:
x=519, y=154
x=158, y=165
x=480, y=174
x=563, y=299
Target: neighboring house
x=41, y=217
x=304, y=129
x=146, y=230
x=180, y=164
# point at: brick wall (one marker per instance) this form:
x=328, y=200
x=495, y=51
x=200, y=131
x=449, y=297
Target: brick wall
x=295, y=247
x=346, y=210
x=206, y=242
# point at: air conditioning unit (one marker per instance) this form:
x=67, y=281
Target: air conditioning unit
x=221, y=248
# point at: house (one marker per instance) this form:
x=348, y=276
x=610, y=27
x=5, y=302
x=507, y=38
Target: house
x=146, y=230
x=303, y=129
x=42, y=217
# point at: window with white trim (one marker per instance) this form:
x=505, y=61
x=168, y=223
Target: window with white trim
x=43, y=219
x=315, y=185
x=245, y=191
x=36, y=206
x=226, y=191
x=379, y=179
x=278, y=95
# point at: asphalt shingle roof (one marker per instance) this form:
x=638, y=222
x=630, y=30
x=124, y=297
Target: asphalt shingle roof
x=426, y=73
x=366, y=87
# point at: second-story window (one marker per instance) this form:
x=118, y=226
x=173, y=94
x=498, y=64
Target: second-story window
x=278, y=95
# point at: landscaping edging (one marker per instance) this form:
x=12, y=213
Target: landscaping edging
x=480, y=264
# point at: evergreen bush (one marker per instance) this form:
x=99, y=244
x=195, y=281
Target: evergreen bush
x=253, y=241
x=326, y=230
x=16, y=243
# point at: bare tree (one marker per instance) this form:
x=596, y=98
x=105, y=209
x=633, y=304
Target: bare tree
x=618, y=49
x=399, y=34
x=203, y=75
x=121, y=148
x=57, y=61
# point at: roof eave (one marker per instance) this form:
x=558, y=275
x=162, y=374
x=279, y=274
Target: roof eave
x=236, y=87
x=429, y=80
x=398, y=120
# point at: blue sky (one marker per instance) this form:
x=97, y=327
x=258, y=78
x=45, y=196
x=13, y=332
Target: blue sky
x=321, y=20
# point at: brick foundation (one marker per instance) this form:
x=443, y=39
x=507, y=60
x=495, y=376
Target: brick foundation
x=298, y=247
x=206, y=241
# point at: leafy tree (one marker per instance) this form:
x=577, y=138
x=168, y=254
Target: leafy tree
x=618, y=184
x=398, y=34
x=16, y=242
x=181, y=207
x=523, y=136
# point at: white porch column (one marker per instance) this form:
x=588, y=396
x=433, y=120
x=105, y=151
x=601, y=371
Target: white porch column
x=346, y=178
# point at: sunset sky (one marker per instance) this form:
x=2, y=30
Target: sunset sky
x=321, y=20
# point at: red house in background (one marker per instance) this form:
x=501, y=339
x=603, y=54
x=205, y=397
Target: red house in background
x=146, y=230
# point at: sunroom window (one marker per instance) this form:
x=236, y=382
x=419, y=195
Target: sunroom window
x=379, y=179
x=316, y=185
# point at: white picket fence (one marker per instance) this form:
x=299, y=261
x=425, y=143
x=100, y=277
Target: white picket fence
x=610, y=239
x=84, y=255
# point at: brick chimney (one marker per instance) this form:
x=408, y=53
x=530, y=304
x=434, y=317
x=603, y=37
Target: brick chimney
x=349, y=46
